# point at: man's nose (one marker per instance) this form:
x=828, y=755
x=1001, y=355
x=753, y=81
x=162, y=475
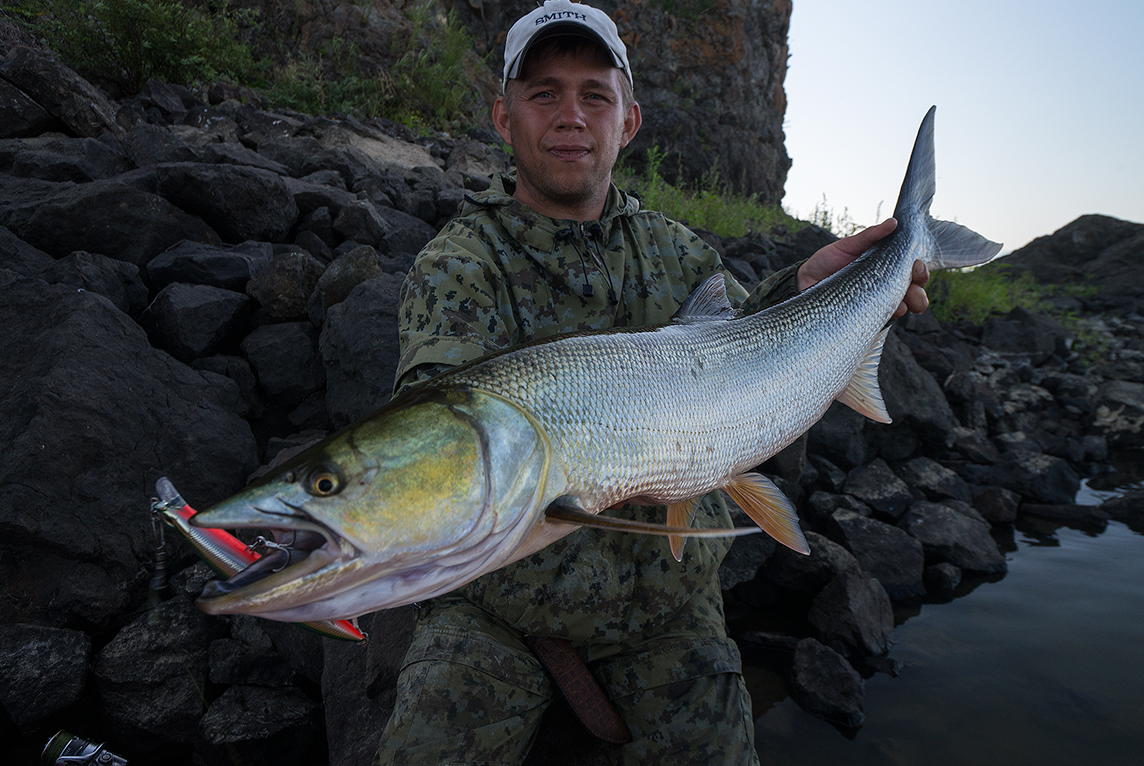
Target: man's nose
x=570, y=114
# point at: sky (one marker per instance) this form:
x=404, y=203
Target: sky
x=1040, y=109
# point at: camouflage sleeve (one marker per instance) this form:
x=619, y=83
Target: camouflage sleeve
x=452, y=310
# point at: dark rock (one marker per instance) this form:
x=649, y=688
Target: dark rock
x=747, y=554
x=21, y=116
x=240, y=203
x=1128, y=508
x=191, y=321
x=1025, y=333
x=237, y=154
x=955, y=533
x=174, y=101
x=942, y=579
x=974, y=446
x=236, y=662
x=883, y=551
x=839, y=437
x=149, y=145
x=112, y=218
x=852, y=614
x=151, y=675
x=790, y=462
x=359, y=221
x=996, y=505
x=1068, y=512
x=309, y=196
x=59, y=91
x=285, y=358
x=42, y=672
x=810, y=574
x=1038, y=477
x=935, y=480
x=880, y=488
x=822, y=505
x=252, y=724
x=77, y=159
x=115, y=280
x=345, y=273
x=407, y=233
x=829, y=477
x=359, y=349
x=237, y=369
x=824, y=684
x=229, y=268
x=20, y=257
x=1093, y=250
x=359, y=688
x=923, y=420
x=92, y=415
x=1119, y=413
x=283, y=287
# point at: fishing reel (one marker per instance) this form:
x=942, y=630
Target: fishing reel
x=66, y=749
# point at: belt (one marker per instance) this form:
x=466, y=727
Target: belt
x=584, y=694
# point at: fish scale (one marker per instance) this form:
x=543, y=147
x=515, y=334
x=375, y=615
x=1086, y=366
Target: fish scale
x=496, y=459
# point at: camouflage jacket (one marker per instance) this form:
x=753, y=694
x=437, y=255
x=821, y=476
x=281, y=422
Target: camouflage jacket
x=500, y=274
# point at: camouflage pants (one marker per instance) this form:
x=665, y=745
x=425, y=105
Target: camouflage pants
x=471, y=692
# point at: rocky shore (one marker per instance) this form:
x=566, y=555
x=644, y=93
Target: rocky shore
x=189, y=288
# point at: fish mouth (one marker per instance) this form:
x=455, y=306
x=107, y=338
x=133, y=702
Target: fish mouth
x=301, y=547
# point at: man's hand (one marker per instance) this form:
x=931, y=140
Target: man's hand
x=837, y=254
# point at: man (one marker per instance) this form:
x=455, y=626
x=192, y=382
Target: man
x=557, y=248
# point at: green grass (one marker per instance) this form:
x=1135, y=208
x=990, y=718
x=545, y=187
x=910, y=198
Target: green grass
x=710, y=206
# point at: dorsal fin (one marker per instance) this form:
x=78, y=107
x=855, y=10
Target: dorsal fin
x=708, y=302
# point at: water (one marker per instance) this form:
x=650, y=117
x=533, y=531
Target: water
x=1043, y=666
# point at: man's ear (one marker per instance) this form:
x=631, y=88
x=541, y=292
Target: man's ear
x=501, y=121
x=632, y=121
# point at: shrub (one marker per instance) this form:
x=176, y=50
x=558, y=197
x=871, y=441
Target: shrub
x=125, y=42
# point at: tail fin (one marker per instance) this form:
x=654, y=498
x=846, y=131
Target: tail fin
x=957, y=246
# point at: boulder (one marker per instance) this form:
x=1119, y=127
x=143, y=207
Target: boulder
x=254, y=724
x=884, y=552
x=118, y=281
x=810, y=574
x=92, y=415
x=150, y=676
x=359, y=349
x=1036, y=476
x=1025, y=333
x=935, y=480
x=880, y=488
x=192, y=321
x=283, y=287
x=79, y=160
x=853, y=615
x=43, y=671
x=825, y=685
x=240, y=203
x=196, y=263
x=59, y=91
x=1119, y=413
x=953, y=532
x=286, y=360
x=20, y=257
x=112, y=218
x=345, y=273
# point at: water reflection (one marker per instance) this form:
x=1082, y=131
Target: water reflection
x=1042, y=666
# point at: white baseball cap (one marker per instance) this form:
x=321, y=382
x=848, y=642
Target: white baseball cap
x=567, y=17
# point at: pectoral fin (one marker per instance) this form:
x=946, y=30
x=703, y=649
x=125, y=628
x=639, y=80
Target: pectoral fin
x=680, y=515
x=769, y=508
x=570, y=515
x=863, y=394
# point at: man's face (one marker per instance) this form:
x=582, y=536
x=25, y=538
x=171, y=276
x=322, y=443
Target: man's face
x=566, y=125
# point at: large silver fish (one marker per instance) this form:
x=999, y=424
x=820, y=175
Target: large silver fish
x=494, y=460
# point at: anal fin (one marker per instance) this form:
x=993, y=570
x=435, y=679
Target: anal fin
x=863, y=394
x=680, y=515
x=769, y=508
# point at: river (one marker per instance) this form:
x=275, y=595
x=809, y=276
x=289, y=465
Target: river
x=1043, y=666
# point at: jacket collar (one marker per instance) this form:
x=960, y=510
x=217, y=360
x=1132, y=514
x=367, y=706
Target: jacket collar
x=531, y=228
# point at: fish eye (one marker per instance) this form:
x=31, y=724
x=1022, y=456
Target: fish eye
x=323, y=481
